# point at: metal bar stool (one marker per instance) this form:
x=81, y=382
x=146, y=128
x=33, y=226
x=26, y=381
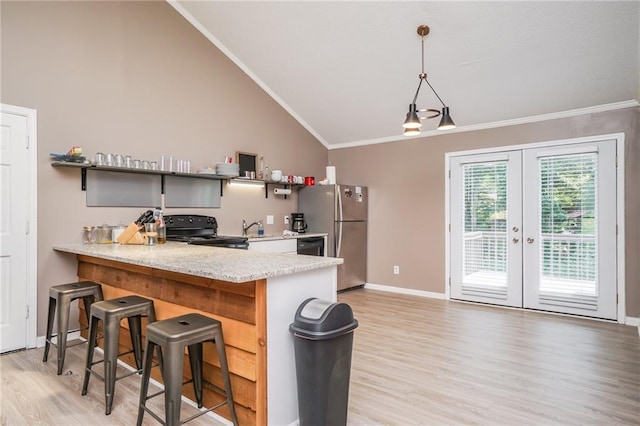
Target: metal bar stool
x=172, y=335
x=60, y=298
x=111, y=312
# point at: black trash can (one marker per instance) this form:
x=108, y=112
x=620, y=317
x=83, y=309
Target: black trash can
x=323, y=342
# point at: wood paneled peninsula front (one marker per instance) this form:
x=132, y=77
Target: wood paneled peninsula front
x=254, y=295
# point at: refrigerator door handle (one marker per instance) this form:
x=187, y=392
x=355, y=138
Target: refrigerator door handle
x=340, y=216
x=339, y=244
x=339, y=194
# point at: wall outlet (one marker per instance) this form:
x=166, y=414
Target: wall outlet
x=286, y=220
x=269, y=219
x=396, y=270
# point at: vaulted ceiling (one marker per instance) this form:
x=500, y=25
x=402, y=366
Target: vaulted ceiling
x=347, y=71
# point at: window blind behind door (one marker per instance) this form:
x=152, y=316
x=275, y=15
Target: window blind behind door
x=485, y=218
x=568, y=237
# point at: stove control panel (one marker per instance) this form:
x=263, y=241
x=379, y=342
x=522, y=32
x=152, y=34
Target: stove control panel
x=190, y=221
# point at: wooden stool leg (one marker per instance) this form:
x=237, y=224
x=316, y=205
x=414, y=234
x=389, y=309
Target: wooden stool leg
x=195, y=360
x=51, y=317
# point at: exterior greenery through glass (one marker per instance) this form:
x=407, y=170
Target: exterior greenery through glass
x=567, y=219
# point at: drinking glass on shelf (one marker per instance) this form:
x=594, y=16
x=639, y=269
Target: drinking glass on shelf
x=99, y=159
x=165, y=163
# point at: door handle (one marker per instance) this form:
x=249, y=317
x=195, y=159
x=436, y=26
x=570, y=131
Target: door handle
x=529, y=240
x=515, y=240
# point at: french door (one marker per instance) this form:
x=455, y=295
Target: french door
x=536, y=228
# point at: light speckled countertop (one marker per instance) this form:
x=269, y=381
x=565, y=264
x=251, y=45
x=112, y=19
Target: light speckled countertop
x=211, y=262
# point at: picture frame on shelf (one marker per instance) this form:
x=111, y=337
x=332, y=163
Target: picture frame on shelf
x=246, y=162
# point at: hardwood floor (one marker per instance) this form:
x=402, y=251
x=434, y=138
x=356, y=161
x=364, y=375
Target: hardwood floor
x=435, y=362
x=416, y=361
x=32, y=393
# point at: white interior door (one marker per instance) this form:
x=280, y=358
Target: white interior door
x=13, y=232
x=536, y=228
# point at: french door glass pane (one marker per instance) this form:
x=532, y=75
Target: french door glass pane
x=485, y=219
x=568, y=232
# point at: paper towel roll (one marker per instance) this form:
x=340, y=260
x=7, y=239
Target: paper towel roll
x=281, y=191
x=331, y=174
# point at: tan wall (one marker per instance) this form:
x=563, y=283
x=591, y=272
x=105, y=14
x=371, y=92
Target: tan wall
x=136, y=78
x=406, y=183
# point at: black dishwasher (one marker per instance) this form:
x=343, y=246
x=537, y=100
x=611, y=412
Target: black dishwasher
x=312, y=246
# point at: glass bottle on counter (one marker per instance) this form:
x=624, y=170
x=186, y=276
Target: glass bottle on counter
x=161, y=228
x=89, y=235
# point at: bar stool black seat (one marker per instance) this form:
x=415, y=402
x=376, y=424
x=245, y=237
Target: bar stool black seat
x=60, y=298
x=172, y=335
x=111, y=312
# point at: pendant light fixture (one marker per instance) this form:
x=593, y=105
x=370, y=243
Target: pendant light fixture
x=413, y=122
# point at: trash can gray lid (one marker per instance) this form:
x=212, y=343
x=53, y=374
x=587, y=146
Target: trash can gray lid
x=315, y=308
x=318, y=319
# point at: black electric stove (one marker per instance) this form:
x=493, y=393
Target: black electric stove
x=200, y=230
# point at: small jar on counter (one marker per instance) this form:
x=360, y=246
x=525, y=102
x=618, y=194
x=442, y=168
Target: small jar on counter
x=104, y=235
x=88, y=235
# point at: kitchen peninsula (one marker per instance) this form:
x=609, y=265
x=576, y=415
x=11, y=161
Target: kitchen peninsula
x=254, y=295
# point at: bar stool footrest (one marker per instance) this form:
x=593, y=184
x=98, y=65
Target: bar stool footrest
x=201, y=411
x=68, y=345
x=131, y=373
x=163, y=390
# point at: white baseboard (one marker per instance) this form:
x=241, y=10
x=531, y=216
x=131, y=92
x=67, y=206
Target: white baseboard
x=633, y=321
x=41, y=339
x=400, y=290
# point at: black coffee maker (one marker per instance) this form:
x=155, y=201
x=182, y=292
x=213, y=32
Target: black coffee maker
x=297, y=223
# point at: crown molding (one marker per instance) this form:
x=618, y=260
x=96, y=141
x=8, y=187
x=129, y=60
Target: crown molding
x=484, y=126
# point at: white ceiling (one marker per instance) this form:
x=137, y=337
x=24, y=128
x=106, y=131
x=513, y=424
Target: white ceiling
x=347, y=71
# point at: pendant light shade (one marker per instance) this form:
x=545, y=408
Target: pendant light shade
x=412, y=122
x=411, y=132
x=446, y=123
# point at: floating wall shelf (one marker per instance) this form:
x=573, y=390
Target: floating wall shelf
x=84, y=167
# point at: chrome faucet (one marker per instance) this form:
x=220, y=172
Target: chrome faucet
x=246, y=227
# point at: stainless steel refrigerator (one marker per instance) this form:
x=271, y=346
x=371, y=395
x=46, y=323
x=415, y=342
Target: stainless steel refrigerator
x=340, y=211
